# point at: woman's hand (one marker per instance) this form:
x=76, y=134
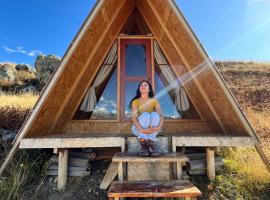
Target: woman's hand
x=150, y=130
x=155, y=129
x=147, y=131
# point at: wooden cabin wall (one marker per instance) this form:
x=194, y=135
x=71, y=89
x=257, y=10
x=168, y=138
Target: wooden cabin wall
x=180, y=49
x=80, y=68
x=169, y=127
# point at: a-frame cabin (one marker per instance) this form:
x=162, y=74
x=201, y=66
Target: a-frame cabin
x=85, y=103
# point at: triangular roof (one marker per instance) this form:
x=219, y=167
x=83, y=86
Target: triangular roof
x=59, y=98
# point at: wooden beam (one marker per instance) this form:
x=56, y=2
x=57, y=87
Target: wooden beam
x=135, y=37
x=109, y=176
x=210, y=156
x=71, y=142
x=213, y=141
x=179, y=170
x=62, y=169
x=89, y=127
x=120, y=171
x=133, y=157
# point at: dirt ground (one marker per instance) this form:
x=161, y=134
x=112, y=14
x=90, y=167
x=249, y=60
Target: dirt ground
x=77, y=187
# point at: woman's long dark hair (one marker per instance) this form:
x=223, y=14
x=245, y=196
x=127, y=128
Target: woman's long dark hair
x=138, y=93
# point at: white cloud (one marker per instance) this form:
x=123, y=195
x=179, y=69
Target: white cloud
x=21, y=50
x=8, y=49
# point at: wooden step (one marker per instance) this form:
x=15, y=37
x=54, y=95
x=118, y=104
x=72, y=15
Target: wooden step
x=163, y=157
x=173, y=188
x=127, y=157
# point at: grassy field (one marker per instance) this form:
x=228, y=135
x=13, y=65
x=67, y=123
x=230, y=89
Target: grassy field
x=24, y=100
x=243, y=177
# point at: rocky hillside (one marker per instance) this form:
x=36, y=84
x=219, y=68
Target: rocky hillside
x=22, y=77
x=249, y=83
x=45, y=66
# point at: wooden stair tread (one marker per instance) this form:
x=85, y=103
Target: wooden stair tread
x=172, y=188
x=163, y=157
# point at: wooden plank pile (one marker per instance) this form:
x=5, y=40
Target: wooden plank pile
x=197, y=164
x=78, y=164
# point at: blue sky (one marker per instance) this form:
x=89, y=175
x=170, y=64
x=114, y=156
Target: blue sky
x=229, y=30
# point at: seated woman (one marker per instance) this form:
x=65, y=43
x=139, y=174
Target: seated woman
x=146, y=118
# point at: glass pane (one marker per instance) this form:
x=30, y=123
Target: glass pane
x=131, y=87
x=166, y=103
x=135, y=60
x=106, y=106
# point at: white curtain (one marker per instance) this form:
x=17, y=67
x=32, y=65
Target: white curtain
x=181, y=100
x=90, y=99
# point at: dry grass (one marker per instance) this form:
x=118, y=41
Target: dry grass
x=14, y=109
x=24, y=100
x=248, y=164
x=260, y=121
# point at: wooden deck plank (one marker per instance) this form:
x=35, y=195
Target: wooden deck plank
x=163, y=157
x=173, y=188
x=71, y=142
x=204, y=141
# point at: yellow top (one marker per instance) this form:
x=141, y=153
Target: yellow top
x=149, y=107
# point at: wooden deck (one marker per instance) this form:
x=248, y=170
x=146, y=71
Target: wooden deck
x=118, y=140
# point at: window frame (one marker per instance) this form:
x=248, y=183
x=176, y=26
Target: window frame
x=124, y=78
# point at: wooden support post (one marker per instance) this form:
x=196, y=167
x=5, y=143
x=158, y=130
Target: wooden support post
x=123, y=148
x=173, y=144
x=120, y=171
x=62, y=169
x=218, y=149
x=55, y=150
x=179, y=171
x=210, y=154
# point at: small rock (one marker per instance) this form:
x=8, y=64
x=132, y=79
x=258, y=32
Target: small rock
x=55, y=180
x=51, y=180
x=29, y=89
x=1, y=132
x=8, y=135
x=88, y=150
